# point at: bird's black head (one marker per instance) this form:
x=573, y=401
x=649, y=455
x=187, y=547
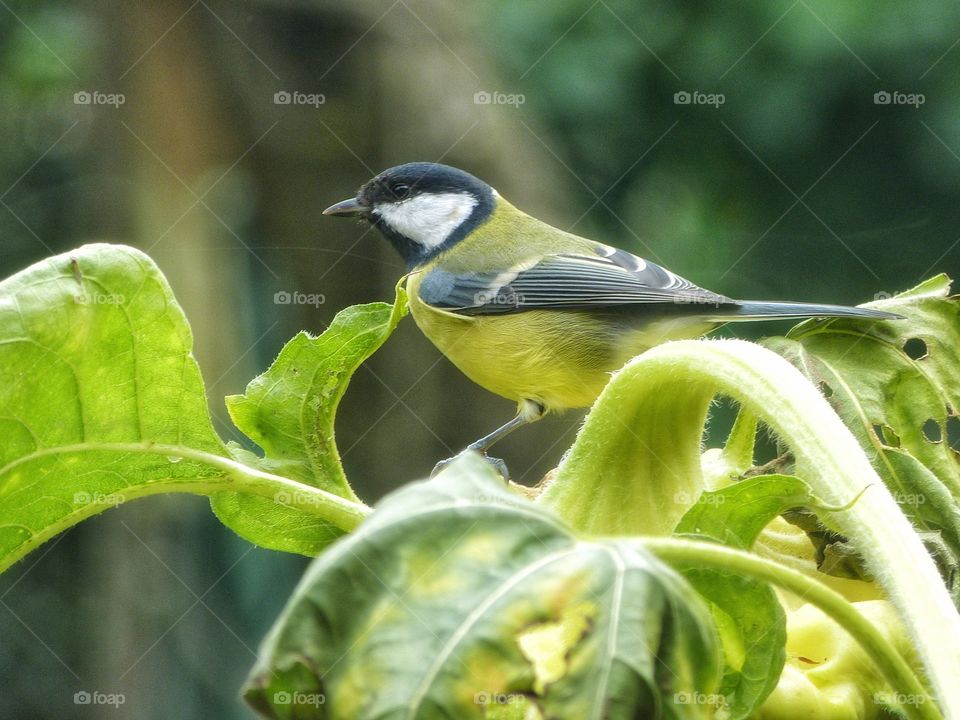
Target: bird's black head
x=421, y=208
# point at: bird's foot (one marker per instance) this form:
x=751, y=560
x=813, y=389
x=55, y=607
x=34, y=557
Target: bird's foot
x=499, y=465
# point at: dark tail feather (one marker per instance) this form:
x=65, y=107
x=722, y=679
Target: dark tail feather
x=750, y=310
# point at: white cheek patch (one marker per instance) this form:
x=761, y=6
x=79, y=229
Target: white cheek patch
x=428, y=219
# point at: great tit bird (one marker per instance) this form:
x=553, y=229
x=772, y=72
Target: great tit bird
x=528, y=311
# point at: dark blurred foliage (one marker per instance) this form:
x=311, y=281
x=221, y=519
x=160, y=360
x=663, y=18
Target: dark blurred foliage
x=799, y=185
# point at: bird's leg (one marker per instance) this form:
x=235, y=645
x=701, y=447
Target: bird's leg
x=486, y=442
x=528, y=411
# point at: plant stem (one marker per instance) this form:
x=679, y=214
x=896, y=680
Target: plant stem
x=888, y=660
x=345, y=514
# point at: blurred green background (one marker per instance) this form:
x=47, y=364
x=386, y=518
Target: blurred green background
x=788, y=149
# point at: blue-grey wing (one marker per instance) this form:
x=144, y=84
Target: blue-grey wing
x=610, y=278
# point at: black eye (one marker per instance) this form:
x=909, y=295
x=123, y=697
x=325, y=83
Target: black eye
x=401, y=191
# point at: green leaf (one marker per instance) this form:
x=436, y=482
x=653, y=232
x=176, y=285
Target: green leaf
x=736, y=514
x=460, y=599
x=896, y=405
x=289, y=411
x=95, y=372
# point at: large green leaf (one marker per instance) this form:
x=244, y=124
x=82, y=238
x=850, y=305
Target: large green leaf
x=289, y=411
x=95, y=372
x=460, y=599
x=897, y=387
x=101, y=402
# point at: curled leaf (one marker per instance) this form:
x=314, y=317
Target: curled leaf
x=289, y=411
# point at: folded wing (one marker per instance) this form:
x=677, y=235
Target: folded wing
x=611, y=278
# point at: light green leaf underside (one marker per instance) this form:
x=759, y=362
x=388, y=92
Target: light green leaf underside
x=457, y=596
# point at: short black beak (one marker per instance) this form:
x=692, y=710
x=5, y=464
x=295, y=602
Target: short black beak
x=348, y=208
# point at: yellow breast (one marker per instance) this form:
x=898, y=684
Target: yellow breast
x=519, y=356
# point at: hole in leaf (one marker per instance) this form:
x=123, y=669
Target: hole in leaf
x=931, y=431
x=886, y=435
x=915, y=348
x=953, y=432
x=825, y=389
